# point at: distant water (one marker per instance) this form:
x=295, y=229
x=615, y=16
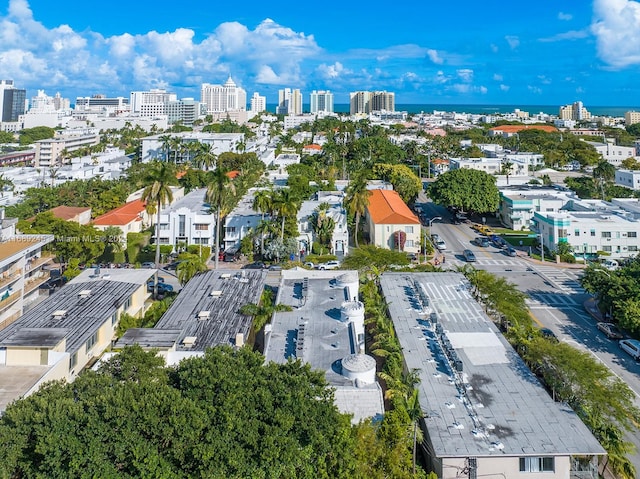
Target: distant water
x=487, y=109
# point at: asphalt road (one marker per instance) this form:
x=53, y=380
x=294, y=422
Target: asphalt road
x=555, y=298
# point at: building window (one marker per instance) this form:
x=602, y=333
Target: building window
x=576, y=232
x=537, y=464
x=606, y=234
x=114, y=318
x=408, y=230
x=74, y=360
x=164, y=226
x=201, y=227
x=562, y=233
x=230, y=229
x=632, y=234
x=606, y=249
x=632, y=248
x=409, y=244
x=182, y=221
x=127, y=304
x=593, y=232
x=91, y=342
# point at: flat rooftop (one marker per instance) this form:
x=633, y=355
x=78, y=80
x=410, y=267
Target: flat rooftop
x=15, y=381
x=314, y=333
x=206, y=309
x=194, y=201
x=19, y=244
x=493, y=405
x=121, y=275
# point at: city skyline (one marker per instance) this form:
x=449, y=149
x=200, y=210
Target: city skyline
x=471, y=54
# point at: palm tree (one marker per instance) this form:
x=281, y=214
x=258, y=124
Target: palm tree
x=506, y=169
x=285, y=204
x=4, y=182
x=205, y=158
x=160, y=177
x=414, y=411
x=166, y=145
x=357, y=200
x=219, y=191
x=189, y=266
x=262, y=202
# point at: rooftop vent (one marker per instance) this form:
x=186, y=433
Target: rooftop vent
x=189, y=341
x=85, y=293
x=59, y=314
x=239, y=340
x=204, y=315
x=216, y=293
x=225, y=276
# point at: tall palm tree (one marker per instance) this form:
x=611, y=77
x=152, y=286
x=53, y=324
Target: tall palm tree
x=205, y=158
x=285, y=204
x=357, y=200
x=160, y=177
x=219, y=192
x=166, y=145
x=262, y=202
x=4, y=182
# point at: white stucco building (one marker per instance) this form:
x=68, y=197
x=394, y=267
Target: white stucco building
x=306, y=236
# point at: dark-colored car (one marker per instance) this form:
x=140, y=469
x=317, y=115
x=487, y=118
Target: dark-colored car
x=610, y=330
x=173, y=265
x=511, y=251
x=256, y=265
x=482, y=241
x=162, y=287
x=548, y=334
x=469, y=257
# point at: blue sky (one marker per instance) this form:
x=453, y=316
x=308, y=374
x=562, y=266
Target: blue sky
x=462, y=51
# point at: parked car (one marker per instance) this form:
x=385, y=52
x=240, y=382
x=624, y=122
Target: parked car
x=256, y=265
x=148, y=265
x=173, y=265
x=610, y=330
x=329, y=265
x=435, y=237
x=511, y=251
x=441, y=245
x=412, y=256
x=275, y=267
x=310, y=264
x=469, y=257
x=631, y=347
x=162, y=287
x=548, y=334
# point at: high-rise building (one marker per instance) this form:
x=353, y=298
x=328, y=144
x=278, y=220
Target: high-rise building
x=151, y=103
x=382, y=101
x=258, y=103
x=631, y=118
x=186, y=111
x=222, y=98
x=576, y=112
x=13, y=101
x=289, y=102
x=101, y=101
x=359, y=102
x=321, y=101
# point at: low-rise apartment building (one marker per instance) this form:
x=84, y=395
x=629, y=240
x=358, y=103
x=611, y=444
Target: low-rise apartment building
x=21, y=269
x=57, y=338
x=485, y=414
x=628, y=178
x=519, y=204
x=188, y=221
x=241, y=221
x=614, y=154
x=333, y=201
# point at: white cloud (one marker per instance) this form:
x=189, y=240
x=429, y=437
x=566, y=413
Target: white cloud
x=465, y=74
x=504, y=87
x=332, y=71
x=564, y=16
x=616, y=27
x=513, y=41
x=570, y=35
x=434, y=57
x=534, y=89
x=497, y=77
x=483, y=89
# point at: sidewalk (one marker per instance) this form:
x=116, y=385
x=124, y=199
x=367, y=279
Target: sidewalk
x=525, y=256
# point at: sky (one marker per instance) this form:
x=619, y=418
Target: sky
x=455, y=52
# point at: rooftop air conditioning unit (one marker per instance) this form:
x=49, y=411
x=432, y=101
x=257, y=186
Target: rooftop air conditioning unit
x=59, y=314
x=204, y=315
x=85, y=293
x=216, y=293
x=189, y=341
x=225, y=276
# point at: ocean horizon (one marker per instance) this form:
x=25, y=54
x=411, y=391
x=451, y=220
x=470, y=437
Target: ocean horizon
x=484, y=109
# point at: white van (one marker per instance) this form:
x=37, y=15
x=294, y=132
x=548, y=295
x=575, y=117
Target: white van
x=631, y=347
x=611, y=264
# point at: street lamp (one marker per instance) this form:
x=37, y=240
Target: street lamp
x=424, y=247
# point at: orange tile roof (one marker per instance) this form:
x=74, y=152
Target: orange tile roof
x=313, y=146
x=386, y=207
x=518, y=128
x=68, y=212
x=123, y=215
x=180, y=174
x=233, y=174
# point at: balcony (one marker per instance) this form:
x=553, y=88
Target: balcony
x=9, y=300
x=34, y=283
x=9, y=320
x=44, y=258
x=9, y=277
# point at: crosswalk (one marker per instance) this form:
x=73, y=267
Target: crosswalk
x=565, y=280
x=554, y=300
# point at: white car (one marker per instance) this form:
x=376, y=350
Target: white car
x=441, y=245
x=329, y=265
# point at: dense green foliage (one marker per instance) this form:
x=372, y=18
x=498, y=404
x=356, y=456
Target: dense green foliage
x=617, y=291
x=223, y=415
x=31, y=135
x=466, y=189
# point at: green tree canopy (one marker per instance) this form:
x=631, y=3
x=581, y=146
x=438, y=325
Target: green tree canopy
x=470, y=190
